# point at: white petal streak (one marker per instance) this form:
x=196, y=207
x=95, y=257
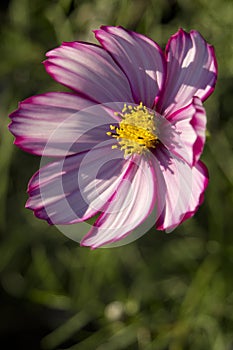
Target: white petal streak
x=173, y=187
x=183, y=132
x=199, y=184
x=60, y=124
x=131, y=204
x=74, y=189
x=140, y=58
x=89, y=70
x=191, y=71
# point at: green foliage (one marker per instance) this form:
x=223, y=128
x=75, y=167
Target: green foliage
x=162, y=292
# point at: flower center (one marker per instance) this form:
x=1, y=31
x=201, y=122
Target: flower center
x=136, y=132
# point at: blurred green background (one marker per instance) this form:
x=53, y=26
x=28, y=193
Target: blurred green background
x=162, y=292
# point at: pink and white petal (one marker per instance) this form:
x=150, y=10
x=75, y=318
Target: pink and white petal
x=179, y=189
x=199, y=124
x=183, y=132
x=140, y=58
x=89, y=70
x=191, y=71
x=59, y=124
x=76, y=188
x=199, y=185
x=130, y=205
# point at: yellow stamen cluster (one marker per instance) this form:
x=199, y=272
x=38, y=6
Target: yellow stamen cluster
x=136, y=131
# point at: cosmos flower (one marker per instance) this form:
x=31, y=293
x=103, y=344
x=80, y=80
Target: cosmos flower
x=126, y=142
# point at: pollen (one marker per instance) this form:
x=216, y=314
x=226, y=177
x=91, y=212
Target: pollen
x=136, y=133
